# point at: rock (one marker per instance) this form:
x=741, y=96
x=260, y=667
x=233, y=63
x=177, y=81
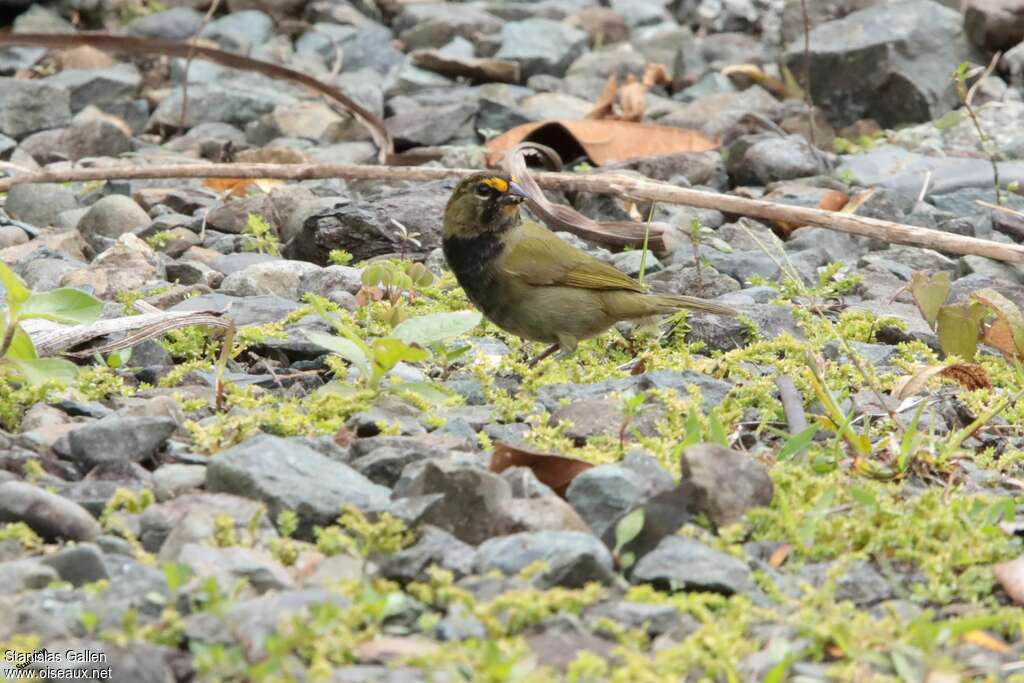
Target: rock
x=109, y=218
x=994, y=24
x=27, y=106
x=176, y=23
x=541, y=46
x=94, y=138
x=98, y=87
x=240, y=31
x=630, y=262
x=603, y=493
x=288, y=476
x=116, y=439
x=434, y=25
x=48, y=514
x=126, y=266
x=238, y=102
x=884, y=63
x=276, y=278
x=539, y=513
x=861, y=583
x=435, y=547
x=25, y=574
x=726, y=483
x=713, y=391
x=471, y=503
x=11, y=236
x=726, y=334
x=231, y=564
x=323, y=281
x=573, y=558
x=357, y=227
x=173, y=479
x=383, y=459
x=764, y=159
x=39, y=205
x=715, y=114
x=432, y=126
x=685, y=564
x=79, y=564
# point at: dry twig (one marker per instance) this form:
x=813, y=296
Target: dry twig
x=603, y=183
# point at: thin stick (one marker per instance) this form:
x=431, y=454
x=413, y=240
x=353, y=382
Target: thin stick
x=808, y=101
x=193, y=44
x=792, y=404
x=605, y=183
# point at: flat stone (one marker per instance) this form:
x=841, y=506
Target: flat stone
x=51, y=516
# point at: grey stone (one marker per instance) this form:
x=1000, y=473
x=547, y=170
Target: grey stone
x=98, y=87
x=715, y=114
x=79, y=564
x=39, y=205
x=713, y=391
x=763, y=159
x=48, y=514
x=326, y=280
x=630, y=262
x=173, y=479
x=884, y=62
x=236, y=102
x=366, y=47
x=383, y=459
x=685, y=564
x=471, y=505
x=25, y=574
x=432, y=126
x=573, y=558
x=725, y=334
x=94, y=138
x=433, y=25
x=603, y=493
x=115, y=439
x=433, y=547
x=288, y=476
x=277, y=278
x=240, y=31
x=541, y=46
x=726, y=483
x=176, y=23
x=111, y=217
x=28, y=106
x=231, y=564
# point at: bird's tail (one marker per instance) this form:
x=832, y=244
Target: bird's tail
x=673, y=302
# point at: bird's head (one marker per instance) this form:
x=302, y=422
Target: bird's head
x=482, y=203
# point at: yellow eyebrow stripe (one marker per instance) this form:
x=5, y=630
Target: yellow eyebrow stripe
x=498, y=184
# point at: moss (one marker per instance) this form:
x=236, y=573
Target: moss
x=15, y=401
x=98, y=381
x=22, y=534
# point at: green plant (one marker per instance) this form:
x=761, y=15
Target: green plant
x=18, y=358
x=409, y=341
x=339, y=257
x=961, y=75
x=393, y=281
x=260, y=236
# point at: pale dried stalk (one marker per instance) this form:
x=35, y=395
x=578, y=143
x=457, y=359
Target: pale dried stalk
x=606, y=183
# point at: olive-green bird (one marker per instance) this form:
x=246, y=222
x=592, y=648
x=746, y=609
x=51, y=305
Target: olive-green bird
x=530, y=282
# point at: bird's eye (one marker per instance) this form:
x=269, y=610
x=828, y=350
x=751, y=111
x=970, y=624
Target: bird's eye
x=484, y=190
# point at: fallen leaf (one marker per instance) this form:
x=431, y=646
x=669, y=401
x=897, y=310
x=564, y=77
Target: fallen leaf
x=754, y=73
x=833, y=200
x=486, y=70
x=631, y=96
x=959, y=327
x=779, y=555
x=986, y=640
x=555, y=471
x=604, y=108
x=234, y=187
x=603, y=141
x=1007, y=333
x=969, y=375
x=1010, y=575
x=858, y=200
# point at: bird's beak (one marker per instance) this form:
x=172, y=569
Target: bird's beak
x=515, y=194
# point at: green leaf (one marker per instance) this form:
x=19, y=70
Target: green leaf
x=929, y=294
x=118, y=359
x=948, y=120
x=432, y=393
x=958, y=327
x=717, y=430
x=425, y=330
x=692, y=428
x=628, y=528
x=387, y=353
x=64, y=305
x=864, y=496
x=797, y=443
x=21, y=347
x=17, y=292
x=344, y=348
x=42, y=370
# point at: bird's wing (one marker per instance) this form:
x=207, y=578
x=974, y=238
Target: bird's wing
x=540, y=258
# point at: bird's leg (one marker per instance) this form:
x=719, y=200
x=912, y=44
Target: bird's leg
x=547, y=352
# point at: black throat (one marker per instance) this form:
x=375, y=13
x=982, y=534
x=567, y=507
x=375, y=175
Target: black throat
x=473, y=259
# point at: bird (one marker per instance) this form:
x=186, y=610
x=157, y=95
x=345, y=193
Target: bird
x=533, y=284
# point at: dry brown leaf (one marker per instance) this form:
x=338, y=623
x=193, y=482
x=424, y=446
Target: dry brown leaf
x=632, y=99
x=656, y=74
x=986, y=640
x=483, y=70
x=999, y=336
x=968, y=375
x=779, y=555
x=907, y=386
x=235, y=187
x=833, y=200
x=858, y=200
x=555, y=471
x=604, y=108
x=754, y=73
x=1010, y=575
x=604, y=141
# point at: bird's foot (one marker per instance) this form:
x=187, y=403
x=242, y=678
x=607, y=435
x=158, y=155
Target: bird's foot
x=547, y=352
